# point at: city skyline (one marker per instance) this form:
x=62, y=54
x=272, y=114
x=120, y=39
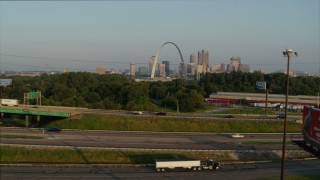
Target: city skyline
x=82, y=35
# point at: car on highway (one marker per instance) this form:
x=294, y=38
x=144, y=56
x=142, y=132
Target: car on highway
x=237, y=136
x=161, y=113
x=281, y=116
x=228, y=116
x=53, y=129
x=136, y=113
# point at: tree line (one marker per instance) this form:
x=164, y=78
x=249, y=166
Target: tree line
x=115, y=92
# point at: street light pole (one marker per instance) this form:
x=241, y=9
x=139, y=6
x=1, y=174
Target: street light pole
x=287, y=53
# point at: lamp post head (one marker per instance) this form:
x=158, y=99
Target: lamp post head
x=288, y=52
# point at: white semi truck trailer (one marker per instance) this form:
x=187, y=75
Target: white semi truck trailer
x=9, y=102
x=187, y=164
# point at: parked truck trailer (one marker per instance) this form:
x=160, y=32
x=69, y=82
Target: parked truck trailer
x=187, y=164
x=311, y=126
x=9, y=102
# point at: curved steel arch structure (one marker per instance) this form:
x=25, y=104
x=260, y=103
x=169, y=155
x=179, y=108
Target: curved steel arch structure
x=157, y=56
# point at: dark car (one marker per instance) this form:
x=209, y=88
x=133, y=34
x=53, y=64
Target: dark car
x=281, y=116
x=161, y=113
x=228, y=116
x=54, y=129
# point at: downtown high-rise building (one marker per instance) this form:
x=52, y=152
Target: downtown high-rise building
x=235, y=65
x=132, y=69
x=167, y=67
x=162, y=70
x=191, y=69
x=193, y=58
x=203, y=58
x=101, y=70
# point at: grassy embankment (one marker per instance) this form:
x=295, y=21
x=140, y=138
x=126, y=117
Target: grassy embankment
x=171, y=124
x=51, y=155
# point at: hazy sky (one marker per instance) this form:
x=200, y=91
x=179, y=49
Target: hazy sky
x=84, y=34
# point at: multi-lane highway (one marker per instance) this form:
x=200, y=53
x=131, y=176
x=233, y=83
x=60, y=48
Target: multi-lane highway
x=154, y=141
x=228, y=172
x=146, y=140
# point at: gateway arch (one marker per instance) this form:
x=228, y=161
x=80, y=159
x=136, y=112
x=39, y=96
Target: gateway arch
x=157, y=56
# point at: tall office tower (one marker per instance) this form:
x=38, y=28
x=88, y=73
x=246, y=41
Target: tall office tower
x=191, y=69
x=199, y=58
x=132, y=69
x=101, y=70
x=203, y=58
x=234, y=64
x=162, y=70
x=193, y=58
x=167, y=70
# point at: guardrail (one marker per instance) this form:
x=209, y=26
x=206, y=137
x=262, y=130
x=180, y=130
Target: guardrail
x=155, y=150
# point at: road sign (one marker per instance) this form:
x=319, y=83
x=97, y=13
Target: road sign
x=261, y=85
x=5, y=82
x=33, y=95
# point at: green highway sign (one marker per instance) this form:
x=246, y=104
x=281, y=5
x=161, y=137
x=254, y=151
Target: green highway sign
x=33, y=95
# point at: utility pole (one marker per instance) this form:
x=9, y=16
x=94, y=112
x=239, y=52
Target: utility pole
x=178, y=111
x=266, y=101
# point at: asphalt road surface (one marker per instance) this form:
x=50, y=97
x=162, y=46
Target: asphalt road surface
x=147, y=140
x=228, y=172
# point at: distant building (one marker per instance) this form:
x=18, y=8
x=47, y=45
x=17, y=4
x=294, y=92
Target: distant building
x=234, y=64
x=132, y=69
x=218, y=68
x=191, y=69
x=193, y=58
x=114, y=71
x=167, y=67
x=244, y=68
x=143, y=71
x=65, y=70
x=162, y=70
x=101, y=70
x=203, y=58
x=201, y=69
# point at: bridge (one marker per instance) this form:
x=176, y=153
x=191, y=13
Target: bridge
x=32, y=110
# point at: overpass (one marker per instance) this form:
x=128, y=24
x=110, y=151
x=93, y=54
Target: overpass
x=32, y=110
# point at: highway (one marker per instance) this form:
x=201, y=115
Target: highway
x=227, y=172
x=203, y=115
x=145, y=140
